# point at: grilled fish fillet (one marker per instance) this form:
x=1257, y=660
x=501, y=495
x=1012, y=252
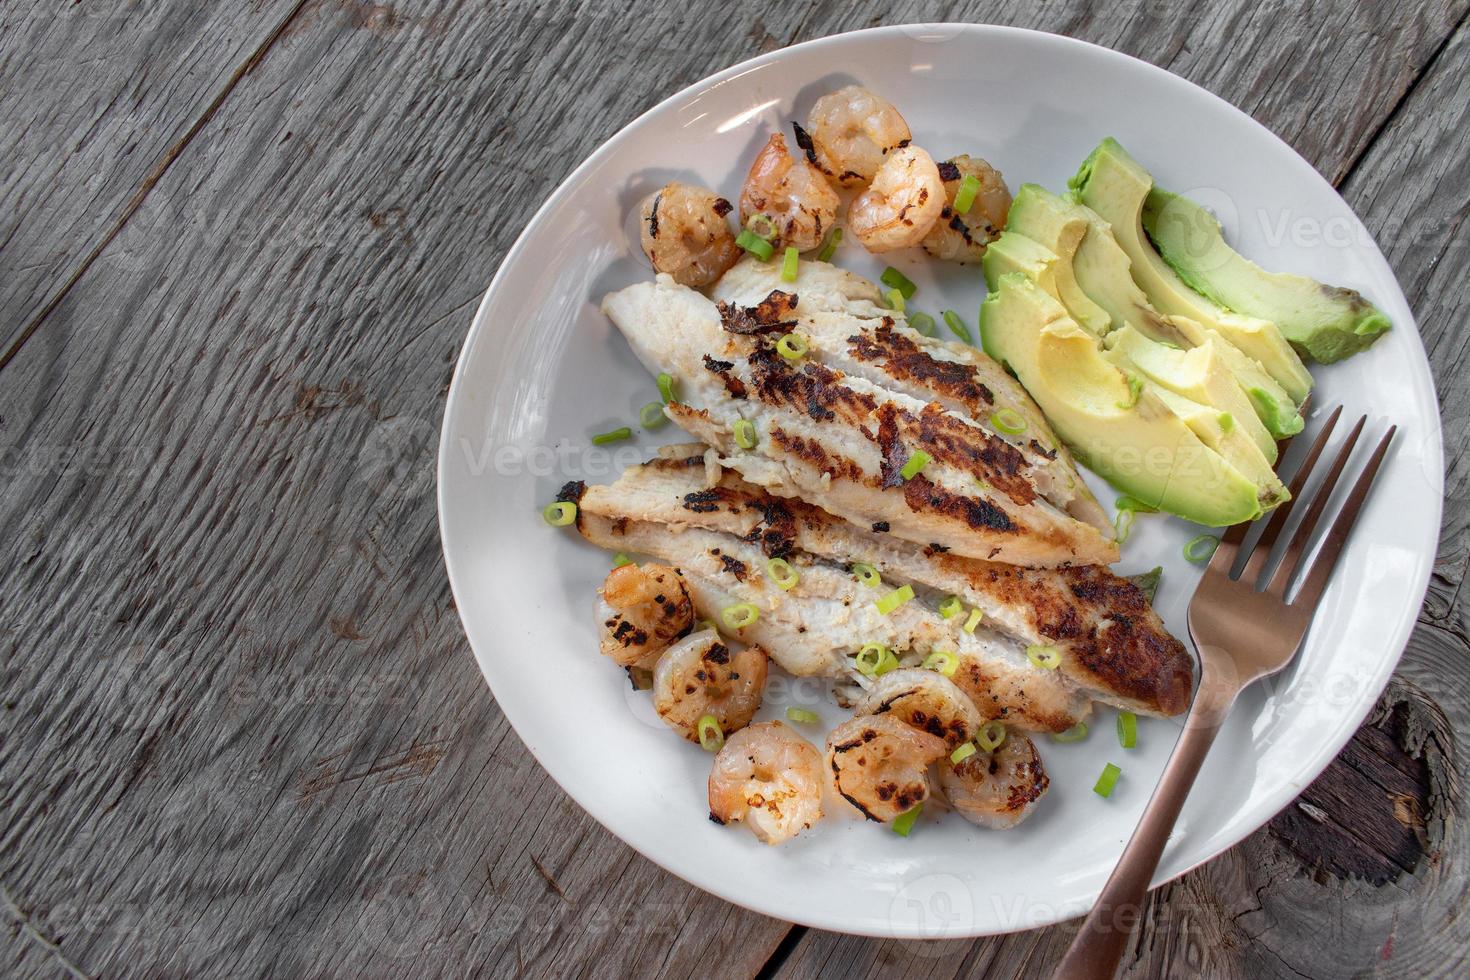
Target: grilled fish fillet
x=1113, y=645
x=843, y=440
x=814, y=628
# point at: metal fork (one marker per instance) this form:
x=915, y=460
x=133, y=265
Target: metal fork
x=1244, y=628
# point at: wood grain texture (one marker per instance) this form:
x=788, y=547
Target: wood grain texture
x=243, y=733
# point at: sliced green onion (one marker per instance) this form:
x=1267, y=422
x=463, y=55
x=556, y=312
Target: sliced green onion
x=957, y=326
x=922, y=322
x=1044, y=656
x=781, y=572
x=1074, y=734
x=973, y=620
x=666, y=388
x=943, y=661
x=1127, y=729
x=894, y=279
x=991, y=737
x=874, y=660
x=866, y=574
x=793, y=347
x=1126, y=502
x=894, y=599
x=740, y=615
x=1123, y=525
x=917, y=462
x=1107, y=780
x=762, y=226
x=829, y=245
x=755, y=244
x=1202, y=548
x=711, y=738
x=904, y=822
x=651, y=416
x=894, y=299
x=951, y=607
x=560, y=514
x=620, y=559
x=613, y=435
x=1009, y=421
x=744, y=431
x=964, y=198
x=802, y=716
x=962, y=753
x=788, y=264
x=1227, y=422
x=1135, y=388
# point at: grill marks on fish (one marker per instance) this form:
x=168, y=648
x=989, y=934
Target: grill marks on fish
x=775, y=312
x=905, y=360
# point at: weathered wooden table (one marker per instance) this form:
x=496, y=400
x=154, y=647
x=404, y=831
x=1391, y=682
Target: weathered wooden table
x=240, y=245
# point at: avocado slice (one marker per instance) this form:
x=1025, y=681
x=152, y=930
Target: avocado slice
x=1328, y=322
x=1199, y=374
x=1102, y=269
x=1121, y=428
x=1059, y=231
x=1114, y=185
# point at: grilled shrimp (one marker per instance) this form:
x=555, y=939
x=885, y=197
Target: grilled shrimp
x=880, y=764
x=685, y=233
x=926, y=700
x=849, y=132
x=962, y=237
x=901, y=205
x=792, y=193
x=700, y=676
x=770, y=777
x=996, y=789
x=641, y=610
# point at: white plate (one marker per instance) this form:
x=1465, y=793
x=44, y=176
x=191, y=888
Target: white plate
x=543, y=369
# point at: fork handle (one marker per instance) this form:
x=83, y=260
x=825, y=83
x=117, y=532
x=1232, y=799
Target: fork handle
x=1098, y=948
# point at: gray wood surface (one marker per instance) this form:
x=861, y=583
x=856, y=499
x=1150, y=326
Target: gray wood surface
x=241, y=732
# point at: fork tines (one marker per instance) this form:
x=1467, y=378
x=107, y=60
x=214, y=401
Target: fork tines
x=1294, y=560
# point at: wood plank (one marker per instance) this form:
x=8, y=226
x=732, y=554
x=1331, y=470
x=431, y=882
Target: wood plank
x=99, y=99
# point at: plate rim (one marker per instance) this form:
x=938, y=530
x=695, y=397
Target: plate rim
x=1274, y=802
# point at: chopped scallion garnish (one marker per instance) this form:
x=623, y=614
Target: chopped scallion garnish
x=1123, y=525
x=964, y=198
x=973, y=620
x=744, y=431
x=1107, y=780
x=755, y=244
x=957, y=326
x=1127, y=729
x=894, y=299
x=1009, y=421
x=829, y=245
x=614, y=435
x=962, y=753
x=1074, y=734
x=991, y=737
x=651, y=416
x=894, y=279
x=943, y=661
x=666, y=388
x=874, y=659
x=762, y=225
x=894, y=599
x=916, y=462
x=904, y=822
x=1202, y=548
x=922, y=322
x=1044, y=656
x=792, y=346
x=788, y=264
x=711, y=737
x=781, y=572
x=866, y=574
x=620, y=559
x=951, y=607
x=740, y=615
x=560, y=514
x=802, y=716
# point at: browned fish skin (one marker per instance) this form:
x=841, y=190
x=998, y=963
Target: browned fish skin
x=1112, y=642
